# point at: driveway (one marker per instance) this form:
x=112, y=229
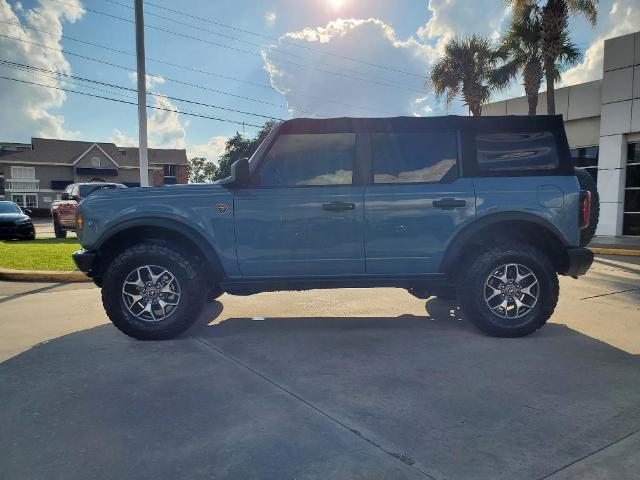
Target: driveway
x=344, y=384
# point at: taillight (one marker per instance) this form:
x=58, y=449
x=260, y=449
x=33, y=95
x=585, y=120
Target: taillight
x=585, y=208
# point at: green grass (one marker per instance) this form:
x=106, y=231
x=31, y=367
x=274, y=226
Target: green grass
x=47, y=254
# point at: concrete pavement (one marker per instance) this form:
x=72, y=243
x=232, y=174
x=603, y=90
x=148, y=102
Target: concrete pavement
x=325, y=384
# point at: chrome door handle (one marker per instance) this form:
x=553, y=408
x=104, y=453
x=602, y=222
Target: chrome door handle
x=338, y=206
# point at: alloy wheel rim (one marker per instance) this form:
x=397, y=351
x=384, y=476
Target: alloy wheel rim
x=511, y=290
x=151, y=293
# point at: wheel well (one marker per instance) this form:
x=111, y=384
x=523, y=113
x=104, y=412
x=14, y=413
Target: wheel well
x=209, y=263
x=491, y=234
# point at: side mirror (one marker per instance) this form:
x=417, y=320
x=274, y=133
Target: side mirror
x=27, y=211
x=240, y=173
x=64, y=196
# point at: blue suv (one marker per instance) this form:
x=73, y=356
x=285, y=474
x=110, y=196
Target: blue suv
x=487, y=211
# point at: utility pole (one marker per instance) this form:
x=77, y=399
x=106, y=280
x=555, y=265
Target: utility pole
x=142, y=97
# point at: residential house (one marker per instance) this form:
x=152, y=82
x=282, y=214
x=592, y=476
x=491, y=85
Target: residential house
x=33, y=175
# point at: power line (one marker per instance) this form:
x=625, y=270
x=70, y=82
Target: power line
x=213, y=32
x=133, y=90
x=189, y=84
x=276, y=39
x=182, y=112
x=222, y=92
x=240, y=50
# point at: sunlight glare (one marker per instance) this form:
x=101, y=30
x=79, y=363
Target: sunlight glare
x=336, y=4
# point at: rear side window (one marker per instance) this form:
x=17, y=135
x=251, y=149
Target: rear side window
x=499, y=152
x=414, y=157
x=309, y=159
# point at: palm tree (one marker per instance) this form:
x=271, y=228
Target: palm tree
x=470, y=67
x=555, y=33
x=523, y=45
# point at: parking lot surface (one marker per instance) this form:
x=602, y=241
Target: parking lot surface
x=338, y=384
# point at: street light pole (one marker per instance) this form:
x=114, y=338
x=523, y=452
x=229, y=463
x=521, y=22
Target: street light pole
x=142, y=96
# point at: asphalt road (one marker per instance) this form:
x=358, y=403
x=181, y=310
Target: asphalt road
x=339, y=384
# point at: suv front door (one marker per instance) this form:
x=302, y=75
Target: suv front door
x=416, y=201
x=303, y=215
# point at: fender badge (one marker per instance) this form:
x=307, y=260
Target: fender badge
x=222, y=207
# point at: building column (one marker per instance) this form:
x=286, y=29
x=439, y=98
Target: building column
x=611, y=179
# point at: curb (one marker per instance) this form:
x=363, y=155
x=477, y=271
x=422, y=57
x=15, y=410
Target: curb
x=615, y=251
x=42, y=276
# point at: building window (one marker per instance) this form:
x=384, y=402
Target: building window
x=23, y=173
x=586, y=158
x=95, y=162
x=169, y=174
x=25, y=200
x=631, y=222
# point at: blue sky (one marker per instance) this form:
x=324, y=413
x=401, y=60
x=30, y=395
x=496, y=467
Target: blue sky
x=293, y=64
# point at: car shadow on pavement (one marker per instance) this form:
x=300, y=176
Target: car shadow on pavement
x=402, y=397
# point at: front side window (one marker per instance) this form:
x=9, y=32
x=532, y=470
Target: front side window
x=413, y=157
x=500, y=152
x=309, y=159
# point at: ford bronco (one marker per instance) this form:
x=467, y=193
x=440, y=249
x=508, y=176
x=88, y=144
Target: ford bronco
x=484, y=210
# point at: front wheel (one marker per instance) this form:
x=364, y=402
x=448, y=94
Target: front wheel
x=509, y=291
x=152, y=292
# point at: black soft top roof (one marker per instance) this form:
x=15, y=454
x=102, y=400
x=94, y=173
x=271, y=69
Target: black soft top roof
x=421, y=124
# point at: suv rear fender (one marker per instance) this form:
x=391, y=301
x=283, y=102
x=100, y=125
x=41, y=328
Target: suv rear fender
x=502, y=227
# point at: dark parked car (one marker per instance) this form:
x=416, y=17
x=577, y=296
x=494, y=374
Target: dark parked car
x=63, y=211
x=15, y=222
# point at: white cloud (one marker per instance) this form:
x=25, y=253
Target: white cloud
x=121, y=139
x=310, y=92
x=25, y=110
x=152, y=80
x=451, y=18
x=270, y=18
x=164, y=127
x=616, y=18
x=210, y=150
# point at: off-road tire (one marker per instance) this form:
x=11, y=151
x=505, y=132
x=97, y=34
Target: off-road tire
x=58, y=231
x=471, y=286
x=587, y=182
x=181, y=265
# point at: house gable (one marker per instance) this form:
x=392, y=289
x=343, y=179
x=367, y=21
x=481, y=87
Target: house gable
x=95, y=151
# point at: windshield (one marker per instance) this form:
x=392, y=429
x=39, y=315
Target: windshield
x=9, y=207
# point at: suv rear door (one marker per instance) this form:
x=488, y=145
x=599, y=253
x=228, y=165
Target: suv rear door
x=415, y=202
x=302, y=215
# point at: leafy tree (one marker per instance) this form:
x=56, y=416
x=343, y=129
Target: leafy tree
x=554, y=15
x=523, y=46
x=238, y=147
x=470, y=67
x=201, y=171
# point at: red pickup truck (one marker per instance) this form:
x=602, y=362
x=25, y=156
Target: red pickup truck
x=63, y=211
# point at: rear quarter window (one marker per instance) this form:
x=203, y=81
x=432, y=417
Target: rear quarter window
x=517, y=151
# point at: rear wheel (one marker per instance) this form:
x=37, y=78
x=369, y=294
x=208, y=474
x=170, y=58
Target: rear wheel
x=509, y=291
x=152, y=292
x=57, y=229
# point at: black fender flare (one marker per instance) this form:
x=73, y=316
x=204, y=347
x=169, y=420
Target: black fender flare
x=456, y=247
x=173, y=224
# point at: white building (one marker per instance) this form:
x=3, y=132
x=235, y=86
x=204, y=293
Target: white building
x=602, y=120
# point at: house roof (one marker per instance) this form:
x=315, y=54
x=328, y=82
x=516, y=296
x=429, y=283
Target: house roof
x=46, y=150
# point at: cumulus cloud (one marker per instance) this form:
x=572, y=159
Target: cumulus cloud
x=337, y=87
x=152, y=80
x=210, y=150
x=121, y=139
x=616, y=18
x=25, y=110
